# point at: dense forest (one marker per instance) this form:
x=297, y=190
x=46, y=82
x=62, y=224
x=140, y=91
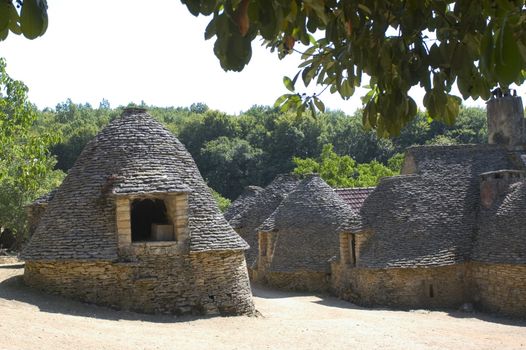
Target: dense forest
x=233, y=151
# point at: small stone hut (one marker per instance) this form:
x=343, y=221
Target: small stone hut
x=449, y=230
x=243, y=202
x=258, y=210
x=297, y=242
x=134, y=226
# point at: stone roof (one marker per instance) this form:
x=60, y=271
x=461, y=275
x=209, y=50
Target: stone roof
x=243, y=202
x=44, y=199
x=307, y=225
x=428, y=217
x=135, y=155
x=354, y=197
x=265, y=202
x=501, y=236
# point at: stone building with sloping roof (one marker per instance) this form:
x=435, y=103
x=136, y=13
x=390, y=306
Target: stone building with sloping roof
x=243, y=202
x=134, y=226
x=297, y=242
x=354, y=197
x=258, y=210
x=445, y=232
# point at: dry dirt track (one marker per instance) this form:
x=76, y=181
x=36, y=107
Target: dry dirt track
x=31, y=320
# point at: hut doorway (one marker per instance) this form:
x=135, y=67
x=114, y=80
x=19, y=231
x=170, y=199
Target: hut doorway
x=149, y=220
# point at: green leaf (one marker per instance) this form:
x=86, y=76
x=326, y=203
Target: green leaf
x=210, y=30
x=508, y=63
x=319, y=104
x=33, y=18
x=193, y=6
x=3, y=34
x=5, y=15
x=288, y=84
x=14, y=24
x=347, y=89
x=486, y=58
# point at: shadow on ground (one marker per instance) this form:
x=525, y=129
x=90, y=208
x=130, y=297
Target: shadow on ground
x=487, y=317
x=14, y=289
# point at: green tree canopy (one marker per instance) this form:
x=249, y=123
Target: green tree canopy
x=343, y=171
x=26, y=166
x=477, y=44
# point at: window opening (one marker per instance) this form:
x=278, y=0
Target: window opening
x=149, y=221
x=431, y=291
x=263, y=246
x=353, y=251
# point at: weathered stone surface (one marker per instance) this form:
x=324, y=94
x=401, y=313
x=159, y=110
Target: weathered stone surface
x=501, y=232
x=439, y=287
x=156, y=282
x=499, y=288
x=302, y=281
x=134, y=155
x=429, y=218
x=259, y=209
x=302, y=233
x=83, y=247
x=243, y=202
x=506, y=124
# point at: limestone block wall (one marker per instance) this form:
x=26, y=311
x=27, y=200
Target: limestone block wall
x=499, y=288
x=175, y=283
x=304, y=281
x=437, y=287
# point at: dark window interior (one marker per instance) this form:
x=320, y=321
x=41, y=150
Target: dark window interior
x=353, y=251
x=263, y=244
x=144, y=213
x=431, y=291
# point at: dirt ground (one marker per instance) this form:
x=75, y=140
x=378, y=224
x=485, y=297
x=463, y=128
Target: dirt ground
x=32, y=320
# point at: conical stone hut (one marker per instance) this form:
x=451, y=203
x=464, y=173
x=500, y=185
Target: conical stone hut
x=243, y=202
x=134, y=226
x=301, y=237
x=260, y=208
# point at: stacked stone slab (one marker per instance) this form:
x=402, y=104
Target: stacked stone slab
x=82, y=247
x=449, y=230
x=36, y=209
x=243, y=202
x=258, y=209
x=297, y=242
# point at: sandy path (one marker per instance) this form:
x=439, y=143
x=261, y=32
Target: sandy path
x=31, y=320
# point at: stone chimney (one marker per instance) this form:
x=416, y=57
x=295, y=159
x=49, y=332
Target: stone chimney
x=494, y=184
x=506, y=124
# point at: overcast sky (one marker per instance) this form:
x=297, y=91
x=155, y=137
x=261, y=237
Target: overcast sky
x=152, y=51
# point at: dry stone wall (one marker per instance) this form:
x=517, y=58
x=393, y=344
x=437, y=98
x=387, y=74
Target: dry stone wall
x=499, y=288
x=304, y=281
x=171, y=282
x=439, y=287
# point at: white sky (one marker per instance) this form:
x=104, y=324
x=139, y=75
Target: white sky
x=152, y=51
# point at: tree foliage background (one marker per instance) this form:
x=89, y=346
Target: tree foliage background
x=26, y=165
x=475, y=44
